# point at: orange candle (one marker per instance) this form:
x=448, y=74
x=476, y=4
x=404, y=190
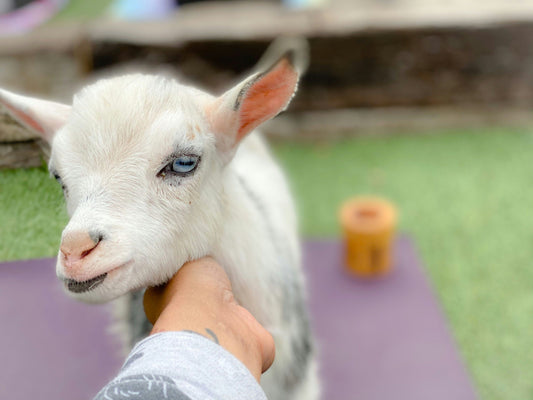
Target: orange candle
x=369, y=224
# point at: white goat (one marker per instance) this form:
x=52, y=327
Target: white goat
x=156, y=173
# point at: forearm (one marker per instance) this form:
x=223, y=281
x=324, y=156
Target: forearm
x=181, y=366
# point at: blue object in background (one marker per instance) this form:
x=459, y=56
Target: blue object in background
x=142, y=9
x=297, y=4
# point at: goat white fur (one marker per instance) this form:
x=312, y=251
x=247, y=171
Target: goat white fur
x=134, y=221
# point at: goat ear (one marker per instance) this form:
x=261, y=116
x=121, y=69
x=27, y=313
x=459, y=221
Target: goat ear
x=42, y=116
x=262, y=95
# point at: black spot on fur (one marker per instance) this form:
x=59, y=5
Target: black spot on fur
x=294, y=306
x=139, y=325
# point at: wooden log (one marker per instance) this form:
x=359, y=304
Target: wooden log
x=20, y=155
x=331, y=125
x=50, y=63
x=12, y=131
x=487, y=65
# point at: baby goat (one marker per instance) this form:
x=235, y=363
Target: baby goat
x=156, y=173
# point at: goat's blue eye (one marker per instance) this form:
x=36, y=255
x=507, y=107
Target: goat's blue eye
x=184, y=164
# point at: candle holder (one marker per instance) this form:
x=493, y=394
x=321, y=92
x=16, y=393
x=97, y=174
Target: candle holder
x=369, y=225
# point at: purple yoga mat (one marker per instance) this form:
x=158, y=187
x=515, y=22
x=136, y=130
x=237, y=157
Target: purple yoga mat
x=51, y=347
x=381, y=339
x=384, y=339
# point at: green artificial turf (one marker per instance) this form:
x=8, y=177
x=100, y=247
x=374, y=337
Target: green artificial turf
x=32, y=214
x=465, y=197
x=76, y=10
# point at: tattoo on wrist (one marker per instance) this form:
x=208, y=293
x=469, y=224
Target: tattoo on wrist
x=212, y=334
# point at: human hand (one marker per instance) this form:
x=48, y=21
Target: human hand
x=199, y=299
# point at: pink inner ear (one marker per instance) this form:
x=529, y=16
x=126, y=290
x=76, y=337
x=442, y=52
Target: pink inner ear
x=25, y=118
x=267, y=97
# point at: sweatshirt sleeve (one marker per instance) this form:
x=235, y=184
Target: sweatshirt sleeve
x=181, y=366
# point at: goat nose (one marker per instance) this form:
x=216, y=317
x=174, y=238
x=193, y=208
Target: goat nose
x=78, y=244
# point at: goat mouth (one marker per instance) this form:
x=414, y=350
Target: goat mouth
x=85, y=286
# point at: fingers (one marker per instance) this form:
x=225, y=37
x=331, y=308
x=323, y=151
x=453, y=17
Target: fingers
x=202, y=278
x=152, y=303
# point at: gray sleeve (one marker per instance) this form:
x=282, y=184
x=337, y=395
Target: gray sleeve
x=181, y=366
